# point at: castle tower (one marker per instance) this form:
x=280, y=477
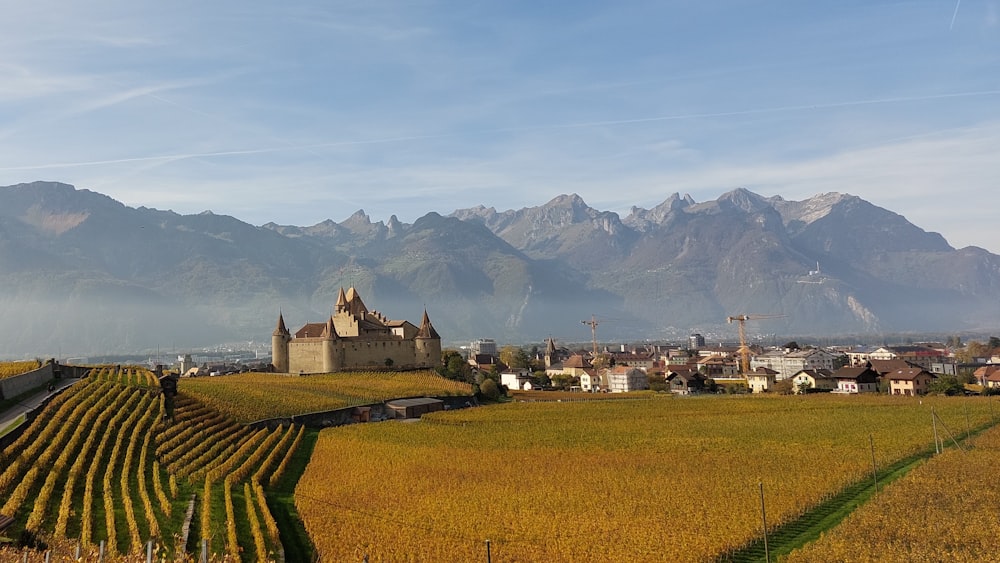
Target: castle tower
x=279, y=346
x=331, y=347
x=427, y=344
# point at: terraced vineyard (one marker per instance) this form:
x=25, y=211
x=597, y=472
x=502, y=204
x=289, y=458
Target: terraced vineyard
x=114, y=460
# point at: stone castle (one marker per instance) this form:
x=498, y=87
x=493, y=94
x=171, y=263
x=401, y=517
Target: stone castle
x=355, y=338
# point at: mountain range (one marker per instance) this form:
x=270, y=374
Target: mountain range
x=83, y=273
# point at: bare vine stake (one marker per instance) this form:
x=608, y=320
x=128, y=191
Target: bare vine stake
x=937, y=445
x=488, y=551
x=871, y=441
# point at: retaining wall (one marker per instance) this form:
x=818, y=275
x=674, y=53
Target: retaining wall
x=340, y=417
x=11, y=387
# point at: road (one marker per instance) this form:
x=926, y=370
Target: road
x=31, y=402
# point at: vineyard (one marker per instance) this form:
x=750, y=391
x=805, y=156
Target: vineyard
x=115, y=461
x=945, y=510
x=10, y=369
x=638, y=480
x=249, y=397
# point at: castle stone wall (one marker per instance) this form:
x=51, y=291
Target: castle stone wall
x=305, y=356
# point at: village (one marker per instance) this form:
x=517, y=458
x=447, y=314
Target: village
x=697, y=368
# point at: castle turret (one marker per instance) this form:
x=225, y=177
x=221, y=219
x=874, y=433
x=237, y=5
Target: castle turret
x=427, y=344
x=279, y=346
x=341, y=306
x=331, y=358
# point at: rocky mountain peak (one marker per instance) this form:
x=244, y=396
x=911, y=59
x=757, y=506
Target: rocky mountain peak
x=743, y=199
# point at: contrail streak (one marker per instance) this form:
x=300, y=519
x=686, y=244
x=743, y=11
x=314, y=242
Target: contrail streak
x=954, y=15
x=677, y=117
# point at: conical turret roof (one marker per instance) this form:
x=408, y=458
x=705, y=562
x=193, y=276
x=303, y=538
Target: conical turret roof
x=329, y=331
x=280, y=330
x=341, y=305
x=426, y=328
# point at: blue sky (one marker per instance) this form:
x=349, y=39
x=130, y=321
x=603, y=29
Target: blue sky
x=307, y=111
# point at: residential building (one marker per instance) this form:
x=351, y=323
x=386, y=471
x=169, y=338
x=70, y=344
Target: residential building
x=623, y=379
x=814, y=380
x=483, y=346
x=988, y=375
x=590, y=382
x=718, y=367
x=761, y=379
x=789, y=362
x=910, y=382
x=696, y=342
x=685, y=381
x=517, y=380
x=923, y=356
x=856, y=379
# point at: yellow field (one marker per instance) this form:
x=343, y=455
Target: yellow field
x=945, y=510
x=639, y=480
x=256, y=396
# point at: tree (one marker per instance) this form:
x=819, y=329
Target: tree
x=540, y=379
x=602, y=361
x=515, y=357
x=657, y=383
x=783, y=387
x=946, y=385
x=562, y=381
x=793, y=345
x=972, y=350
x=490, y=390
x=455, y=367
x=993, y=343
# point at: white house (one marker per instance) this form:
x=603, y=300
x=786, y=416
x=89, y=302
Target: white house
x=590, y=381
x=516, y=380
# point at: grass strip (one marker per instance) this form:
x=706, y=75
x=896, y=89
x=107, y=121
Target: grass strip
x=281, y=501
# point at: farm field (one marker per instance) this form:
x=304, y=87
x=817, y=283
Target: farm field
x=944, y=510
x=636, y=480
x=252, y=396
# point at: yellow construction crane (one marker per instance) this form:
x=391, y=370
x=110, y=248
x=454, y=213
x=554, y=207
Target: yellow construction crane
x=744, y=347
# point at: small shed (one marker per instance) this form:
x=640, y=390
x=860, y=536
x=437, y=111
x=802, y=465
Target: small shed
x=361, y=414
x=414, y=408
